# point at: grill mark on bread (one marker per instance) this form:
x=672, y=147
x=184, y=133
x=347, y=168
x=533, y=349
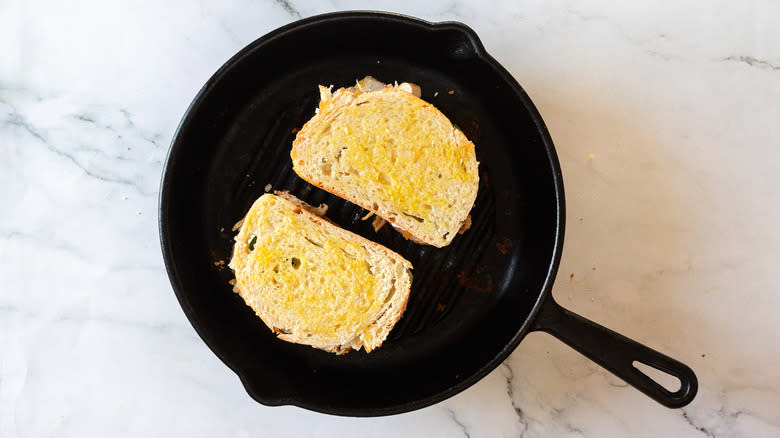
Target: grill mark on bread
x=417, y=218
x=313, y=242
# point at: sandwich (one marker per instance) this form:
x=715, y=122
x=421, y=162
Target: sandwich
x=314, y=283
x=385, y=149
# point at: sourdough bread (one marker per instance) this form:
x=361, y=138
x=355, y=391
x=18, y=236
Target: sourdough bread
x=314, y=283
x=392, y=153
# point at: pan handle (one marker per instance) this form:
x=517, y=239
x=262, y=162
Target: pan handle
x=616, y=353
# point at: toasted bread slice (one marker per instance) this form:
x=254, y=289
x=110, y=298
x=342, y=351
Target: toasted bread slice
x=391, y=153
x=314, y=283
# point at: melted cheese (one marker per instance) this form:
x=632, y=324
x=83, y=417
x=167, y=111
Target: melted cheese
x=402, y=156
x=324, y=283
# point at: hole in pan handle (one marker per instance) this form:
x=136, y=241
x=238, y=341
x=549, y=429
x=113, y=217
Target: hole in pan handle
x=617, y=354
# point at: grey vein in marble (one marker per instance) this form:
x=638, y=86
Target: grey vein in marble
x=701, y=429
x=289, y=8
x=510, y=375
x=15, y=119
x=460, y=424
x=753, y=62
x=82, y=153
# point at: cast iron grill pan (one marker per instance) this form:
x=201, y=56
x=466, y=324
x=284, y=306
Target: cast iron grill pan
x=471, y=302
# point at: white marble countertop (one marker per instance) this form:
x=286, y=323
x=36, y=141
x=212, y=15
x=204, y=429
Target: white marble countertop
x=667, y=123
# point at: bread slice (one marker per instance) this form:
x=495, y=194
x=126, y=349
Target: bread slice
x=391, y=153
x=314, y=283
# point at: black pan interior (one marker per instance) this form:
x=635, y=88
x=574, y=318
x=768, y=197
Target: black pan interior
x=470, y=302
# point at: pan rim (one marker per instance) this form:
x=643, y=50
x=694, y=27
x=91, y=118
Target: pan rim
x=177, y=145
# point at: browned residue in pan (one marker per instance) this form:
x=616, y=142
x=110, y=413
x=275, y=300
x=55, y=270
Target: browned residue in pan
x=472, y=129
x=481, y=281
x=483, y=179
x=465, y=225
x=504, y=245
x=378, y=223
